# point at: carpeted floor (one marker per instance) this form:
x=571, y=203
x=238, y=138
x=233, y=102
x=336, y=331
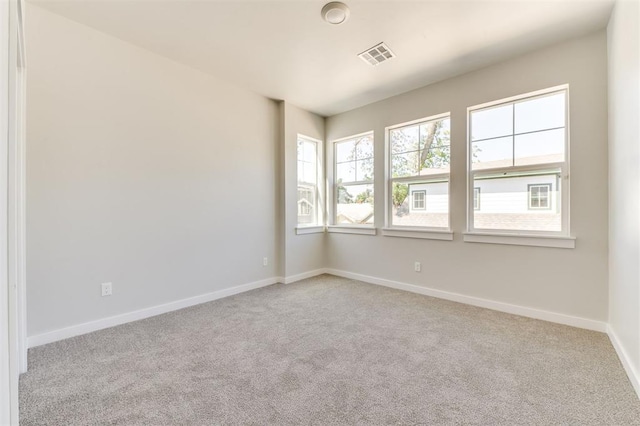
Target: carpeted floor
x=329, y=351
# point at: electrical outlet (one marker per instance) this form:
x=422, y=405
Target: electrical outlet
x=265, y=261
x=417, y=267
x=106, y=289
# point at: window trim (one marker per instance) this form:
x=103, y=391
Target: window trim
x=563, y=180
x=320, y=210
x=476, y=188
x=352, y=229
x=413, y=231
x=522, y=239
x=529, y=194
x=424, y=199
x=345, y=228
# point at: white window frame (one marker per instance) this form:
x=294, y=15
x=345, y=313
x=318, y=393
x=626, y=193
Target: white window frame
x=426, y=232
x=355, y=228
x=560, y=238
x=476, y=206
x=305, y=213
x=548, y=187
x=422, y=192
x=318, y=225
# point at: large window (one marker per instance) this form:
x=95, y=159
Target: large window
x=308, y=193
x=518, y=162
x=418, y=181
x=353, y=187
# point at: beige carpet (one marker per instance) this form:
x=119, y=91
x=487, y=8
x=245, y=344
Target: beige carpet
x=329, y=351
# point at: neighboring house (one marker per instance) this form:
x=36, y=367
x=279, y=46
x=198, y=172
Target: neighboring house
x=305, y=212
x=526, y=195
x=523, y=202
x=354, y=213
x=306, y=204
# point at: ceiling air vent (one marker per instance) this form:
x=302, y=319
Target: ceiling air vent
x=377, y=54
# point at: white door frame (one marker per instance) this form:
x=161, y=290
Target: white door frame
x=12, y=223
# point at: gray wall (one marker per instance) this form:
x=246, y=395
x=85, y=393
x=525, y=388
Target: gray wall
x=141, y=172
x=567, y=281
x=624, y=183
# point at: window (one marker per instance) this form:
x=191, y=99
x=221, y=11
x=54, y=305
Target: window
x=353, y=188
x=476, y=198
x=419, y=199
x=308, y=193
x=305, y=207
x=418, y=180
x=539, y=196
x=518, y=157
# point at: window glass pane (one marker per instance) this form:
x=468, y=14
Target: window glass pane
x=434, y=133
x=403, y=165
x=300, y=150
x=364, y=169
x=345, y=151
x=543, y=113
x=404, y=139
x=309, y=152
x=364, y=148
x=435, y=160
x=540, y=147
x=306, y=205
x=511, y=203
x=492, y=122
x=420, y=204
x=307, y=172
x=354, y=204
x=346, y=172
x=492, y=153
x=307, y=176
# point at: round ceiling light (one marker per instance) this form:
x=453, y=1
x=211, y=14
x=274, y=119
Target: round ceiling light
x=335, y=12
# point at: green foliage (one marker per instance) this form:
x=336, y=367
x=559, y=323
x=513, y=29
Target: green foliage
x=399, y=193
x=365, y=197
x=425, y=146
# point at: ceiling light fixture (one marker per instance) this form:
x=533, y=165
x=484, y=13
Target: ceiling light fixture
x=335, y=12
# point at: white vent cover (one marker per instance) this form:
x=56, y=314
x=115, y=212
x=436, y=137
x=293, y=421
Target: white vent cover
x=377, y=54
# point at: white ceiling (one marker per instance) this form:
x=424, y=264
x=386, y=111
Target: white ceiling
x=284, y=50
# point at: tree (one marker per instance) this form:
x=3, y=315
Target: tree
x=416, y=148
x=343, y=195
x=365, y=197
x=399, y=193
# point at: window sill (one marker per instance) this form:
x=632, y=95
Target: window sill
x=304, y=230
x=428, y=234
x=360, y=230
x=521, y=239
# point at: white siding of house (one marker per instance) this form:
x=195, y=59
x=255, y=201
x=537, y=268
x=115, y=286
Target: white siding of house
x=437, y=197
x=512, y=195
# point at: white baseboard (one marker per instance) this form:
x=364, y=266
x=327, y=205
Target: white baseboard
x=302, y=276
x=476, y=301
x=625, y=359
x=88, y=327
